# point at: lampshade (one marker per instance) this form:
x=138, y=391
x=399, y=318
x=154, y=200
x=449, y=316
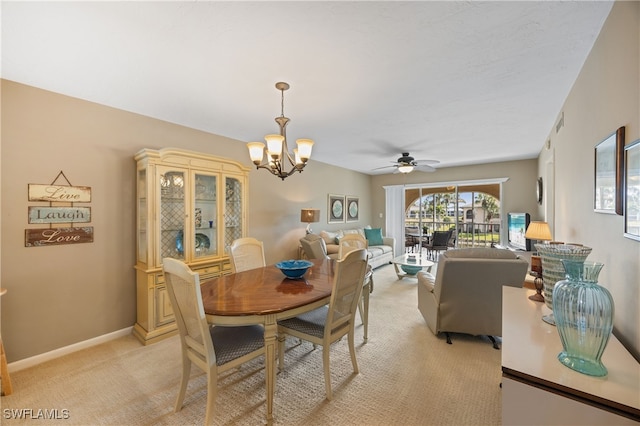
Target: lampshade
x=405, y=169
x=310, y=215
x=538, y=231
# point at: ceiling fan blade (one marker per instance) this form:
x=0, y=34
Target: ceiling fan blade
x=385, y=167
x=424, y=168
x=421, y=162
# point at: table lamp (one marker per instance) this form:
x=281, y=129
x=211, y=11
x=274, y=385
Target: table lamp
x=537, y=231
x=309, y=216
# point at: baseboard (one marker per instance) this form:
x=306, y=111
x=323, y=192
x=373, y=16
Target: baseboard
x=56, y=353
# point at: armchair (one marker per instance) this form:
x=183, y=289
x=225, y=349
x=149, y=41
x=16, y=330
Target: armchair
x=465, y=296
x=314, y=246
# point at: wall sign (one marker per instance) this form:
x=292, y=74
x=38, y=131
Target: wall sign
x=60, y=210
x=57, y=236
x=60, y=193
x=59, y=214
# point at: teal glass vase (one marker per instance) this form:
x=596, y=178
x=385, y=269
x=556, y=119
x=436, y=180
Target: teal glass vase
x=583, y=313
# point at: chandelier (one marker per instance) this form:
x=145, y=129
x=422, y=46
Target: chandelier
x=278, y=157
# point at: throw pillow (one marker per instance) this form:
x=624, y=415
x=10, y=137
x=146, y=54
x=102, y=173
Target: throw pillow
x=329, y=237
x=374, y=236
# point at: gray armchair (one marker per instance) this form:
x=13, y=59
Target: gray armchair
x=465, y=296
x=313, y=246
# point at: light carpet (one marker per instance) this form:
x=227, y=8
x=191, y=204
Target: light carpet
x=407, y=376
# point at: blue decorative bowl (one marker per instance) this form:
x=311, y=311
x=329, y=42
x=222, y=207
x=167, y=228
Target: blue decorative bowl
x=410, y=269
x=294, y=268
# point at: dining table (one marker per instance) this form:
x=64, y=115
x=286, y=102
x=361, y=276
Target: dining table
x=264, y=296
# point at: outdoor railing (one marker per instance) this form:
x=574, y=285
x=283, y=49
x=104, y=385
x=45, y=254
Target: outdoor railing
x=468, y=234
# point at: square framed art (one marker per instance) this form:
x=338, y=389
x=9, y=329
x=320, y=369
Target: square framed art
x=352, y=205
x=335, y=208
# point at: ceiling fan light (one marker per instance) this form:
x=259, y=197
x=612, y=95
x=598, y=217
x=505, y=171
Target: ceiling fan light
x=405, y=169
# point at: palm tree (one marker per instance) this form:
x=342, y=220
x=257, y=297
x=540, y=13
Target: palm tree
x=490, y=205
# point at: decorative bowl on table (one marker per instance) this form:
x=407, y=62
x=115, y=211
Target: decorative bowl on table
x=294, y=268
x=410, y=269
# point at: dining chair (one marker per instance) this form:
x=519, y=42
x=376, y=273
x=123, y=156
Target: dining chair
x=328, y=324
x=348, y=243
x=214, y=349
x=351, y=242
x=247, y=253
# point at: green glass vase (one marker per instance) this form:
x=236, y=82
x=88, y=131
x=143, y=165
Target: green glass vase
x=583, y=313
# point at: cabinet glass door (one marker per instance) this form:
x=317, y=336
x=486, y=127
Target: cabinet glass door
x=172, y=213
x=233, y=220
x=205, y=239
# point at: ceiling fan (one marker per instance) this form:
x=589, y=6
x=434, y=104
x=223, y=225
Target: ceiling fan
x=407, y=164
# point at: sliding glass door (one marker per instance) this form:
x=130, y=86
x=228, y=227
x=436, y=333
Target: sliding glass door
x=471, y=212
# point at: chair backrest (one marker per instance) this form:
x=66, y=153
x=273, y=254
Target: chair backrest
x=183, y=287
x=441, y=238
x=468, y=288
x=350, y=242
x=452, y=238
x=346, y=292
x=314, y=246
x=247, y=253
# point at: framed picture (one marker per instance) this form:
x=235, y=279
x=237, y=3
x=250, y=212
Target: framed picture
x=609, y=157
x=335, y=209
x=353, y=208
x=632, y=191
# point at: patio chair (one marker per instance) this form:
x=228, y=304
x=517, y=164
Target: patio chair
x=438, y=242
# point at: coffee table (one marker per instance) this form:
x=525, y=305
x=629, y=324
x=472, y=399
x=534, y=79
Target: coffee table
x=406, y=267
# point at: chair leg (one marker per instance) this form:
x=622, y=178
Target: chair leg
x=352, y=352
x=495, y=343
x=327, y=374
x=212, y=391
x=186, y=372
x=363, y=308
x=281, y=341
x=6, y=387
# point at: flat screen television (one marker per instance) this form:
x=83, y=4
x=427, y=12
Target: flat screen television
x=517, y=224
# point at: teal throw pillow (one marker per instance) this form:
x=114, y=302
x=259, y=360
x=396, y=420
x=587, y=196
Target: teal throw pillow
x=374, y=236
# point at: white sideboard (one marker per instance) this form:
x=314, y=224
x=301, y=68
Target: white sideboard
x=538, y=390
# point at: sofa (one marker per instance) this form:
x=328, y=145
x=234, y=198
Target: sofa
x=465, y=295
x=380, y=248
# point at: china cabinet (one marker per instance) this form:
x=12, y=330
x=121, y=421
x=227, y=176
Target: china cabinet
x=190, y=206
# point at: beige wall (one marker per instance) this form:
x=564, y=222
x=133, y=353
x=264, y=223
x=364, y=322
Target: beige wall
x=605, y=96
x=66, y=294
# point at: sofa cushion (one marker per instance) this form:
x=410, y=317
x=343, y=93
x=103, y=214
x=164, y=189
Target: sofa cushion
x=376, y=251
x=374, y=236
x=329, y=237
x=333, y=248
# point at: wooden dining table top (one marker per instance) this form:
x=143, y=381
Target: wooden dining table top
x=266, y=290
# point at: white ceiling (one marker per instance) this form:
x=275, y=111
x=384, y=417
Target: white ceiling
x=459, y=82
